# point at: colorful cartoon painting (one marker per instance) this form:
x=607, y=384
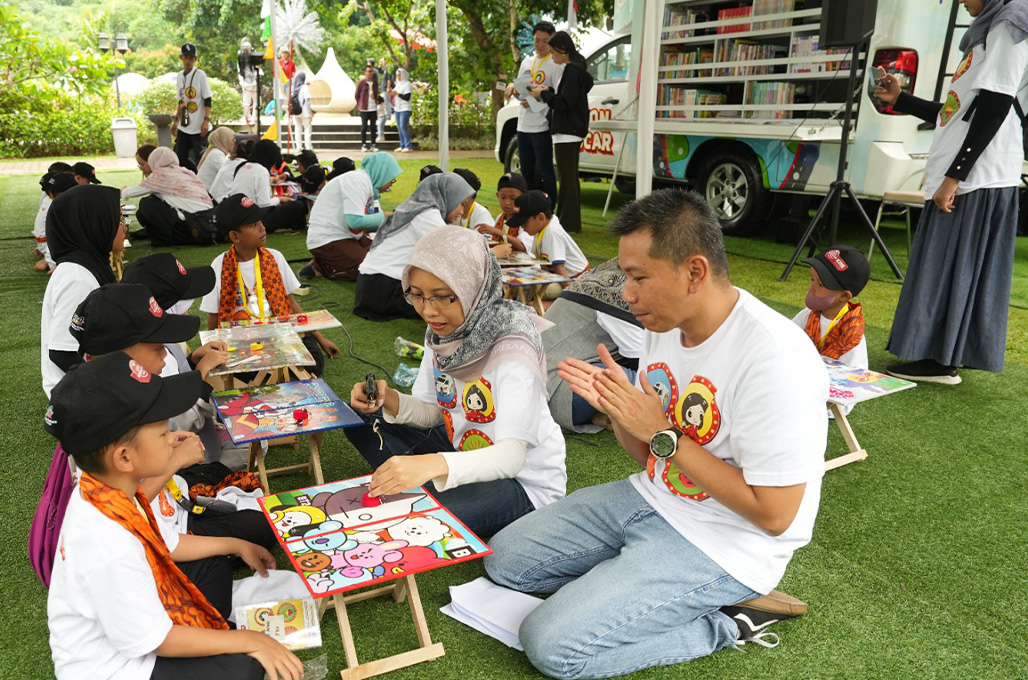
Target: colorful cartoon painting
x=284, y=409
x=851, y=385
x=317, y=320
x=259, y=348
x=530, y=276
x=338, y=541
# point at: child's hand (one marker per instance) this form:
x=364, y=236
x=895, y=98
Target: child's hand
x=330, y=348
x=503, y=251
x=256, y=557
x=486, y=230
x=359, y=399
x=401, y=473
x=278, y=662
x=211, y=360
x=187, y=449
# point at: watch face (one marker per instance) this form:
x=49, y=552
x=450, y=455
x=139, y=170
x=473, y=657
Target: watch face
x=663, y=445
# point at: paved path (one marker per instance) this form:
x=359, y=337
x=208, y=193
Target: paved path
x=108, y=163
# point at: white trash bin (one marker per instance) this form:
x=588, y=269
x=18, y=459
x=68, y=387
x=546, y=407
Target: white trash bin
x=126, y=139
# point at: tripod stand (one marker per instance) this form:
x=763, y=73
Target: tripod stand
x=839, y=187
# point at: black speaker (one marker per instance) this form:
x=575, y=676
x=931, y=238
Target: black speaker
x=846, y=23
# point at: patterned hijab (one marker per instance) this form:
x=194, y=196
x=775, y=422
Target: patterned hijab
x=442, y=192
x=1013, y=12
x=495, y=330
x=171, y=179
x=80, y=228
x=600, y=289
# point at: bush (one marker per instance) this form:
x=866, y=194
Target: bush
x=161, y=97
x=470, y=118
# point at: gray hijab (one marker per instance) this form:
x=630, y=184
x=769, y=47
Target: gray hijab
x=443, y=192
x=1013, y=12
x=600, y=289
x=495, y=330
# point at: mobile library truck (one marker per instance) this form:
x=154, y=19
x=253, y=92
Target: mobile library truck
x=747, y=106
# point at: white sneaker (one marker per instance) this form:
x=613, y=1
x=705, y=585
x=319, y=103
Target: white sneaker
x=374, y=148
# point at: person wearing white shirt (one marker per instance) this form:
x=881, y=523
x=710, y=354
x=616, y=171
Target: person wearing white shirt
x=220, y=145
x=550, y=242
x=680, y=549
x=253, y=179
x=192, y=119
x=302, y=120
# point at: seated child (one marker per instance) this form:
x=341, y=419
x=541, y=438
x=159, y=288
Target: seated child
x=510, y=186
x=83, y=226
x=125, y=317
x=832, y=321
x=479, y=215
x=254, y=282
x=222, y=184
x=533, y=213
x=119, y=605
x=497, y=454
x=54, y=184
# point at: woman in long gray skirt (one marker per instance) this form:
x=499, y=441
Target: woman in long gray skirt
x=952, y=311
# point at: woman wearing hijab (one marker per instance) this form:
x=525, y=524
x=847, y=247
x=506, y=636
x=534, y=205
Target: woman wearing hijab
x=223, y=181
x=401, y=94
x=172, y=195
x=586, y=314
x=253, y=180
x=302, y=120
x=437, y=201
x=219, y=146
x=953, y=307
x=569, y=124
x=83, y=227
x=346, y=211
x=497, y=455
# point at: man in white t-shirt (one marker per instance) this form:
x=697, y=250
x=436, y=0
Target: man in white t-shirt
x=193, y=115
x=727, y=420
x=535, y=143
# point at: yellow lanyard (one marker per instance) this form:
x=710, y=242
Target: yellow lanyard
x=842, y=313
x=257, y=285
x=536, y=65
x=538, y=241
x=470, y=213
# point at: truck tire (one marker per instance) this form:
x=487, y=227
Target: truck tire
x=625, y=185
x=733, y=187
x=511, y=160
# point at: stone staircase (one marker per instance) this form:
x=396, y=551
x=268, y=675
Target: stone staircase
x=334, y=136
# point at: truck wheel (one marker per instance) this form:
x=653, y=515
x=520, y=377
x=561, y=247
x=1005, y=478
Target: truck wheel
x=734, y=188
x=511, y=160
x=625, y=185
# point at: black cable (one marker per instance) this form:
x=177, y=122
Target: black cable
x=388, y=375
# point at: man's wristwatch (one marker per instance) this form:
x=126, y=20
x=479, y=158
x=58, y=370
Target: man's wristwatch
x=664, y=444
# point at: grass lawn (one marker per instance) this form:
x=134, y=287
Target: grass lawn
x=916, y=569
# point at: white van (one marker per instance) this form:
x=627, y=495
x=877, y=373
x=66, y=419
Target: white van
x=747, y=108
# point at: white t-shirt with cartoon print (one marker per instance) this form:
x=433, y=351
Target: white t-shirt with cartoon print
x=753, y=394
x=544, y=72
x=508, y=402
x=1002, y=68
x=556, y=245
x=192, y=89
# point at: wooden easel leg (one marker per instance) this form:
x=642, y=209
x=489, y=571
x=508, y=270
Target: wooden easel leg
x=314, y=442
x=344, y=629
x=855, y=451
x=416, y=611
x=262, y=470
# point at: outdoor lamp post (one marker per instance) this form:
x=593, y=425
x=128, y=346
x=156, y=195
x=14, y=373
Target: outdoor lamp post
x=119, y=43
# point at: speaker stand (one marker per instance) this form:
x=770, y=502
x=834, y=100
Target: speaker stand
x=833, y=201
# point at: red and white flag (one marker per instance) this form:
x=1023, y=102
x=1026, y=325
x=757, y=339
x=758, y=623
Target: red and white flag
x=573, y=14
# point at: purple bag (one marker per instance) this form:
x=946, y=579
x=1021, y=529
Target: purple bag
x=46, y=523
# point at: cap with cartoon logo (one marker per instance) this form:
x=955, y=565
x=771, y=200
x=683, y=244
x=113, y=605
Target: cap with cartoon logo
x=530, y=204
x=168, y=280
x=235, y=211
x=99, y=401
x=512, y=180
x=119, y=315
x=842, y=268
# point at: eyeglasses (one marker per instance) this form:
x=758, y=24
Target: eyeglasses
x=436, y=301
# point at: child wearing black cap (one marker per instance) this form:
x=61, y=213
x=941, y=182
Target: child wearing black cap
x=832, y=320
x=479, y=216
x=254, y=282
x=120, y=606
x=533, y=212
x=508, y=188
x=54, y=183
x=84, y=173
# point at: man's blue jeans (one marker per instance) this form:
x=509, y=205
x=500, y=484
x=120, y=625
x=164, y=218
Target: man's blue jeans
x=536, y=152
x=629, y=592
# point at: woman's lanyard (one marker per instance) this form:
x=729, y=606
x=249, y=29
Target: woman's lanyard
x=258, y=287
x=842, y=313
x=536, y=65
x=471, y=212
x=538, y=242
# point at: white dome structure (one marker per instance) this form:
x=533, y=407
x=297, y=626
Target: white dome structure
x=332, y=91
x=131, y=84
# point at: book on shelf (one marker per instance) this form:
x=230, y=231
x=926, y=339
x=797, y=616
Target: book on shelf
x=765, y=7
x=734, y=13
x=676, y=19
x=686, y=58
x=679, y=96
x=768, y=94
x=741, y=49
x=806, y=47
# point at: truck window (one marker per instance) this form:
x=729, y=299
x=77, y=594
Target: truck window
x=611, y=64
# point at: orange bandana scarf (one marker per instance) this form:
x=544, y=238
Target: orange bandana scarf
x=501, y=224
x=183, y=601
x=842, y=336
x=271, y=282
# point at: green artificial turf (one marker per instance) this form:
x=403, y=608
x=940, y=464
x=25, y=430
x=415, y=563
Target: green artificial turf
x=916, y=569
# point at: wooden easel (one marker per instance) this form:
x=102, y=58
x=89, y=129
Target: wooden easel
x=403, y=588
x=312, y=466
x=856, y=452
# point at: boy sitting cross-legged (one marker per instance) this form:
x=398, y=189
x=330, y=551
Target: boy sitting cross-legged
x=119, y=607
x=533, y=214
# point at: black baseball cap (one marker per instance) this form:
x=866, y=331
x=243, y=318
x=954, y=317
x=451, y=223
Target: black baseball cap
x=59, y=182
x=530, y=204
x=189, y=50
x=469, y=177
x=841, y=268
x=168, y=280
x=428, y=171
x=85, y=170
x=512, y=180
x=235, y=211
x=119, y=315
x=99, y=401
x=307, y=158
x=312, y=178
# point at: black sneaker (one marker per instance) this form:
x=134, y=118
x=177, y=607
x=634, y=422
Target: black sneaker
x=753, y=623
x=926, y=370
x=306, y=272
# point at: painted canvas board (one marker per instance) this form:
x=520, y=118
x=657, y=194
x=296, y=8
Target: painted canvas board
x=851, y=385
x=530, y=276
x=338, y=544
x=520, y=259
x=280, y=346
x=294, y=623
x=267, y=412
x=317, y=320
